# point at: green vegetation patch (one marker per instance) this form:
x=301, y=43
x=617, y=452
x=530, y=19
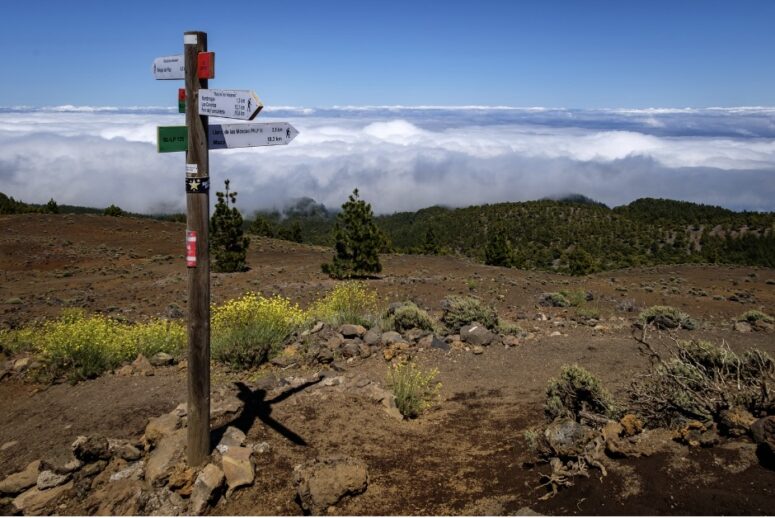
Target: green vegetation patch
x=407, y=316
x=460, y=311
x=666, y=317
x=414, y=389
x=574, y=390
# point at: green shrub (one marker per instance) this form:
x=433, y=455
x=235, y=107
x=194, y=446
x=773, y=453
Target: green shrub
x=754, y=316
x=407, y=316
x=247, y=330
x=413, y=388
x=574, y=390
x=460, y=311
x=350, y=302
x=666, y=317
x=228, y=244
x=588, y=313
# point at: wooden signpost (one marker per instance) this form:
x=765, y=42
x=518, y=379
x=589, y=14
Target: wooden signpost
x=196, y=138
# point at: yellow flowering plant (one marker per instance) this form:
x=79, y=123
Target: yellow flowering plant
x=248, y=329
x=350, y=302
x=413, y=388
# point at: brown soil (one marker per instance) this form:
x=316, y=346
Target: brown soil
x=465, y=456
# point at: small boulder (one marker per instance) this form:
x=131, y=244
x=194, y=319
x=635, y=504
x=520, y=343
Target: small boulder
x=48, y=479
x=238, y=468
x=161, y=461
x=351, y=350
x=324, y=482
x=141, y=365
x=123, y=449
x=736, y=421
x=743, y=327
x=182, y=480
x=91, y=449
x=763, y=432
x=631, y=425
x=477, y=349
x=391, y=337
x=372, y=336
x=205, y=488
x=22, y=364
x=233, y=437
x=566, y=437
x=160, y=427
x=476, y=334
x=352, y=331
x=35, y=501
x=18, y=482
x=120, y=498
x=162, y=359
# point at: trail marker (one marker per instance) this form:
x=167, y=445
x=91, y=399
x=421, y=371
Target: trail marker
x=230, y=136
x=173, y=67
x=232, y=104
x=196, y=138
x=171, y=138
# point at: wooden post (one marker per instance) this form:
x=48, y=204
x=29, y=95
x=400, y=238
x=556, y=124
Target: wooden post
x=198, y=217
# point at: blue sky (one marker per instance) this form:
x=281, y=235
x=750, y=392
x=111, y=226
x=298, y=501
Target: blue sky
x=590, y=54
x=415, y=103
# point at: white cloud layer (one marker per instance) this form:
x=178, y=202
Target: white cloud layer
x=402, y=158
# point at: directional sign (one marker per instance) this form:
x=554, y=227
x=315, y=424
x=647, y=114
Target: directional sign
x=232, y=104
x=230, y=136
x=181, y=100
x=169, y=67
x=171, y=138
x=174, y=67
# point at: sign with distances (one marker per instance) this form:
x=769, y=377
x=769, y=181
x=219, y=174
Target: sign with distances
x=230, y=136
x=232, y=104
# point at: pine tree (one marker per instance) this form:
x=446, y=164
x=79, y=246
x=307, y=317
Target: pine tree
x=227, y=243
x=431, y=246
x=51, y=207
x=498, y=251
x=261, y=226
x=357, y=241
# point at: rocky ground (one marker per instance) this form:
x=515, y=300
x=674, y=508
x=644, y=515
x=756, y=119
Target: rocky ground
x=318, y=432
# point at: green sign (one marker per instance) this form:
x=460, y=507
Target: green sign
x=171, y=138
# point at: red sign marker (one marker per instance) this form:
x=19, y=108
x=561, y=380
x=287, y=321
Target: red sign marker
x=206, y=65
x=191, y=248
x=181, y=100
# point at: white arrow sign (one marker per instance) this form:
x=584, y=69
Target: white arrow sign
x=169, y=67
x=230, y=136
x=232, y=104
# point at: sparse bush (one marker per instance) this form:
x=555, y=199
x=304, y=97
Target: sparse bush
x=753, y=316
x=408, y=316
x=460, y=311
x=554, y=300
x=506, y=327
x=666, y=317
x=413, y=388
x=81, y=346
x=576, y=389
x=699, y=380
x=247, y=330
x=350, y=302
x=588, y=313
x=575, y=298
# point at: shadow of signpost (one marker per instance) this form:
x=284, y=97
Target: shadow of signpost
x=257, y=407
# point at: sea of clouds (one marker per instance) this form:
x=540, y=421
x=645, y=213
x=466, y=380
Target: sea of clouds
x=401, y=157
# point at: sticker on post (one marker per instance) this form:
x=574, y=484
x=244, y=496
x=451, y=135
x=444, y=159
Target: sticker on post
x=191, y=248
x=198, y=185
x=189, y=39
x=192, y=169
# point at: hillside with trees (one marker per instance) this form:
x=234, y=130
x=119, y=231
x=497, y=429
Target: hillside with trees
x=573, y=235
